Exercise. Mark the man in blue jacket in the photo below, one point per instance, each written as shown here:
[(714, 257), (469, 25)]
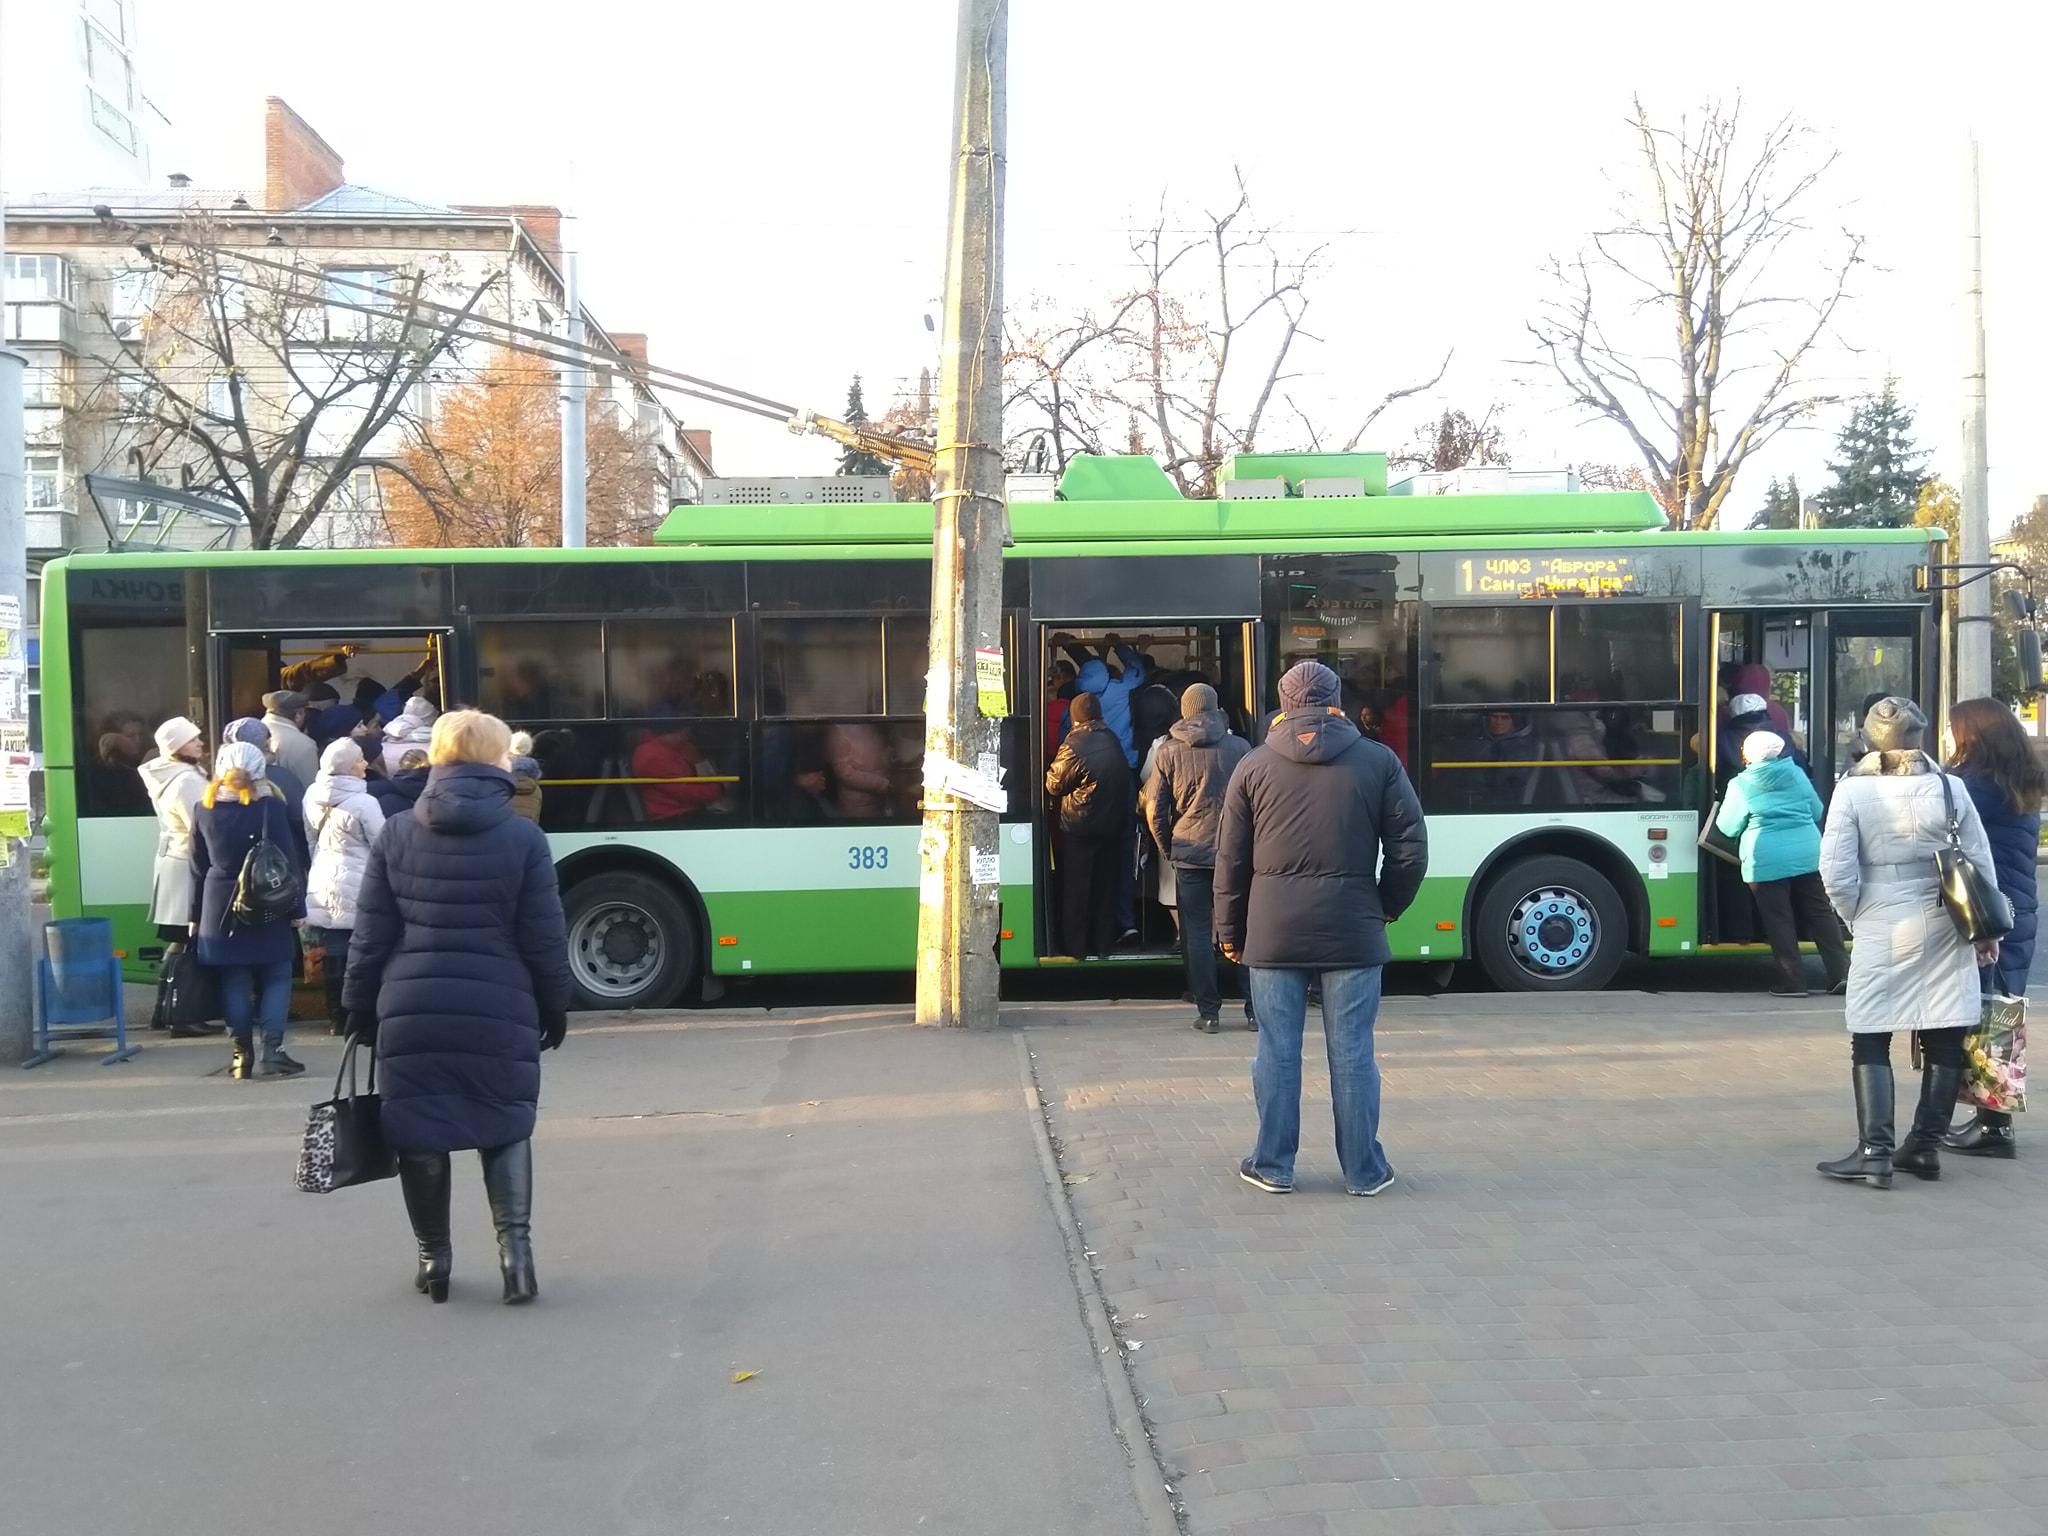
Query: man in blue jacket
[(1321, 846)]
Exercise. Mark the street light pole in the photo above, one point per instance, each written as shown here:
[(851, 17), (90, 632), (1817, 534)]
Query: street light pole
[(966, 694), (575, 475), (17, 966), (1973, 602)]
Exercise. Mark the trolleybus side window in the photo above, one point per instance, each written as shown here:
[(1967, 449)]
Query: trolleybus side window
[(541, 671)]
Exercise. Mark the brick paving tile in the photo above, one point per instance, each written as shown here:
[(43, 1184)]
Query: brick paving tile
[(1606, 1293)]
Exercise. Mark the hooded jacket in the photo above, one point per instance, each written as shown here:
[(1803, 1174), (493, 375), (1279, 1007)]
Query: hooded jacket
[(175, 788), (1321, 846), (459, 952), (1115, 693), (343, 821), (1772, 807), (400, 791), (1091, 781), (1184, 801), (526, 789), (414, 727)]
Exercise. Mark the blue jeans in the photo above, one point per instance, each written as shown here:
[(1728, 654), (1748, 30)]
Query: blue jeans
[(1195, 889), (1351, 1002), (269, 987)]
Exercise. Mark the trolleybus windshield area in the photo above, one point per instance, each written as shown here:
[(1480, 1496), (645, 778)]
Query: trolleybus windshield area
[(729, 726)]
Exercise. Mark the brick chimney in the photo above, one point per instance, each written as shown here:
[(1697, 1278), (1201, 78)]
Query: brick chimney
[(632, 345), (542, 222), (699, 439), (298, 165)]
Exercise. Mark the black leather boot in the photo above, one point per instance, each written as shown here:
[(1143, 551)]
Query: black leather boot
[(1872, 1160), (508, 1180), (1920, 1153), (242, 1058), (1988, 1133), (425, 1179)]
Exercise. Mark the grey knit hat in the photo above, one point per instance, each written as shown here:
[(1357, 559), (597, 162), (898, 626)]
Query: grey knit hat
[(1309, 685), (1196, 699), (1895, 725)]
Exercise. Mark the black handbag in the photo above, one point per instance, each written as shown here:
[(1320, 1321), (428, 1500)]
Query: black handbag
[(344, 1142), (189, 993), (1975, 904), (1713, 840)]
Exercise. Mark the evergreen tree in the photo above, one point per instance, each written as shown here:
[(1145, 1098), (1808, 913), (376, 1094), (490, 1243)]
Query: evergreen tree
[(1880, 470), (853, 461), (1781, 505)]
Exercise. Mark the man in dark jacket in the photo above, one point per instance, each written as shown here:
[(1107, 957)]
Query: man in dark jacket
[(1091, 783), (1322, 845), (1183, 805)]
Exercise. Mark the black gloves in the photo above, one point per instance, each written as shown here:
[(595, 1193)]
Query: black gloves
[(554, 1028)]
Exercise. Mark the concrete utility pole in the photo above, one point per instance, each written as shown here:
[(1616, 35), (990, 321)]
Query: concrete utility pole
[(958, 856), (16, 950), (575, 384), (1973, 602)]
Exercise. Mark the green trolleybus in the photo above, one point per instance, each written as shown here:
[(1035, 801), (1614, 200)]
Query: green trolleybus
[(729, 725)]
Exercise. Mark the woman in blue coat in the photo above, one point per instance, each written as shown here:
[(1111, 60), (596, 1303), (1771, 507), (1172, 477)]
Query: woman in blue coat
[(2006, 782), (1771, 806), (252, 963), (460, 968)]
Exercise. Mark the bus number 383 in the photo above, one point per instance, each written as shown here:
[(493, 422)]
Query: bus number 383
[(870, 856)]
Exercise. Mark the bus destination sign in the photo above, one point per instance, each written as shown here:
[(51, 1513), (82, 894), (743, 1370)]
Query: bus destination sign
[(1543, 576)]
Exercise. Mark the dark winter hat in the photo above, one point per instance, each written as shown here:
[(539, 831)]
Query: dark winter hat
[(284, 702), (1196, 699), (1084, 708), (1309, 685), (322, 693), (1895, 725)]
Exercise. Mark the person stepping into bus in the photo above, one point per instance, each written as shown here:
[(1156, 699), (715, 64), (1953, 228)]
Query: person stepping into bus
[(1772, 808), (1183, 806), (284, 716), (1321, 846), (1091, 783)]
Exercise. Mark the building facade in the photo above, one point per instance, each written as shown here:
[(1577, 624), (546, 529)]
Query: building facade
[(166, 326), (72, 110)]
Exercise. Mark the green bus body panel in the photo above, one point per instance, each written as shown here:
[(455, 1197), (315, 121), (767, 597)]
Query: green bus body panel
[(1297, 467), (1116, 477)]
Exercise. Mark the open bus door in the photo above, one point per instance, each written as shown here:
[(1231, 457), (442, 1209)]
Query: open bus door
[(247, 665)]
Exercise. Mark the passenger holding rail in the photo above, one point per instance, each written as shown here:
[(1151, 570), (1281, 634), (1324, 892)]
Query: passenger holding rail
[(1091, 784), (1771, 807)]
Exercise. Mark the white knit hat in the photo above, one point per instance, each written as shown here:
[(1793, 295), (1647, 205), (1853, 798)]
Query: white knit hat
[(1748, 704), (1761, 747), (175, 733)]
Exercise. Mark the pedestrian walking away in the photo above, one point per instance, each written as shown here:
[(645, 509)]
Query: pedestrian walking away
[(1771, 806), (343, 821), (1090, 782), (460, 973), (1909, 968), (2006, 782), (241, 830), (1183, 809), (1321, 845)]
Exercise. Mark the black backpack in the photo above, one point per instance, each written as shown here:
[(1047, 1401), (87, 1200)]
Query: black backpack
[(267, 889)]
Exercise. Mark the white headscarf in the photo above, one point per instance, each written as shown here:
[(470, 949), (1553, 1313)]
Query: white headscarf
[(415, 722), (1761, 747), (342, 759), (242, 755)]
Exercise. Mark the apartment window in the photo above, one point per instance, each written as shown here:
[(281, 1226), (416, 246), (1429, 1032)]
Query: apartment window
[(370, 287), (112, 17), (45, 481), (42, 384), (38, 279), (110, 75), (220, 396)]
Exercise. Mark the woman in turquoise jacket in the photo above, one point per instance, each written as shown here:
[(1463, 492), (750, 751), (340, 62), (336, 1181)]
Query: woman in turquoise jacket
[(1771, 806)]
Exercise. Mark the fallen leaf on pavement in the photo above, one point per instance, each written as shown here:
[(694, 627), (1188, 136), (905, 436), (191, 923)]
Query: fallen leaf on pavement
[(740, 1376)]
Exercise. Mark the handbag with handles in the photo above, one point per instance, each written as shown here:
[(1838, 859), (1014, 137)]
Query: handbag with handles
[(344, 1142), (1975, 904)]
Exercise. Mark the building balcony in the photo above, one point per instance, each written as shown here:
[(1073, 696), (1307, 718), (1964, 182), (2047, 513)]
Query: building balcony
[(51, 530), (49, 322)]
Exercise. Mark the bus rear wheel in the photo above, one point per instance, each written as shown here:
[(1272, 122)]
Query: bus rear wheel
[(1551, 925), (633, 942)]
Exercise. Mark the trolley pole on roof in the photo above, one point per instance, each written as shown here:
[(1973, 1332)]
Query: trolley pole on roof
[(1973, 602), (958, 856)]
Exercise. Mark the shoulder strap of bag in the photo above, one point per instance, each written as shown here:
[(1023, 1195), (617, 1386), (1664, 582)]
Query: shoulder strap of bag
[(1948, 798), (347, 1069)]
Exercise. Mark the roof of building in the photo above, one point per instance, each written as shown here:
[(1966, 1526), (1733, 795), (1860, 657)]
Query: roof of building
[(352, 197), (82, 200)]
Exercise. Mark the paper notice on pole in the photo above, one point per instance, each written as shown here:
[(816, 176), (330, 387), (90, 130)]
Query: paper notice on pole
[(944, 776), (988, 867), (989, 692), (14, 788)]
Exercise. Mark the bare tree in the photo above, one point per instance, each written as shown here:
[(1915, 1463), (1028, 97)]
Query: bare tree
[(1714, 250), (264, 381), (1455, 440)]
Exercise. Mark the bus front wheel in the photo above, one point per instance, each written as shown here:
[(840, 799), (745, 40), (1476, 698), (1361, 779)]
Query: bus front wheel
[(1551, 925), (632, 942)]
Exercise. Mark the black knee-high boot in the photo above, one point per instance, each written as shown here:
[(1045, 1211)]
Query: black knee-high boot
[(1872, 1160), (1920, 1153), (425, 1179), (508, 1180)]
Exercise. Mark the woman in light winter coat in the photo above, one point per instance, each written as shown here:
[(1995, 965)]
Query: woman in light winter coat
[(175, 781), (343, 820), (1772, 809), (1909, 968), (413, 727)]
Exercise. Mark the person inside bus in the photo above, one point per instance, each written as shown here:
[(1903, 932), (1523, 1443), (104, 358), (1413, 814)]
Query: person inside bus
[(1749, 713), (1508, 738), (857, 753), (668, 756), (1090, 784), (1114, 693), (117, 759), (1060, 688)]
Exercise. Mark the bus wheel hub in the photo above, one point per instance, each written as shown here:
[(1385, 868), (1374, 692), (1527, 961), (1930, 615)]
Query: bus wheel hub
[(1553, 932)]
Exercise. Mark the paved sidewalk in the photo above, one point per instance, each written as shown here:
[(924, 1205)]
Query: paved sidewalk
[(1608, 1292), (851, 1208)]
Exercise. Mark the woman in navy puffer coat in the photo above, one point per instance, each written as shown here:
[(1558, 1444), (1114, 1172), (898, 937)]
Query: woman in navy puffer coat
[(460, 966), (2006, 783)]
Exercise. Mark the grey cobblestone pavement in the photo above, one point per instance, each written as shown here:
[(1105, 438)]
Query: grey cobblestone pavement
[(1608, 1291)]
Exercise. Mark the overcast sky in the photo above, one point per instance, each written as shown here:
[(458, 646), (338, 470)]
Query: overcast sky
[(762, 187)]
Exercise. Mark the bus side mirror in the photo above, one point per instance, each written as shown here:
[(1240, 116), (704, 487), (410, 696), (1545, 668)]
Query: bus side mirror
[(2020, 605), (2029, 642)]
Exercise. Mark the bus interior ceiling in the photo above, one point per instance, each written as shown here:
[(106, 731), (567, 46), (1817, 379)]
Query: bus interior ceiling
[(1175, 653)]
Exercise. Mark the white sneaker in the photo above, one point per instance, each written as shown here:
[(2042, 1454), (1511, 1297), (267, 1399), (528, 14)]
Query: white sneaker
[(1369, 1193)]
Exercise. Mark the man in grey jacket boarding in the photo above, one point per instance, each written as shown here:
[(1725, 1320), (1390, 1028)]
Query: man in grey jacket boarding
[(1321, 846)]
